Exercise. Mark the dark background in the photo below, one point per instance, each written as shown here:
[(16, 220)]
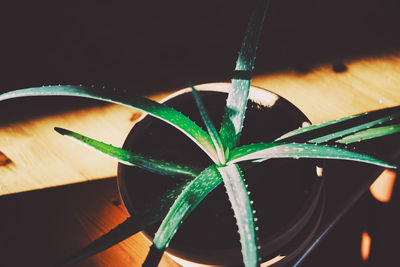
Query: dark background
[(149, 46)]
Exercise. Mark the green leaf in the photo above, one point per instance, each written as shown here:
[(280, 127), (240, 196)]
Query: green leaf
[(239, 198), (153, 212), (310, 128), (196, 191), (184, 204), (131, 159), (210, 126), (370, 134), (336, 128), (232, 121), (264, 151), (156, 210), (160, 111), (351, 130), (121, 232)]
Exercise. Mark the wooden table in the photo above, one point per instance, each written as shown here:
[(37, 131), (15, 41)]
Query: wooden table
[(41, 158), (63, 219)]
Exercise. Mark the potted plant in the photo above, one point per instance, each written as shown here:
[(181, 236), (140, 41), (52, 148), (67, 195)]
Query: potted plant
[(227, 157), (214, 241)]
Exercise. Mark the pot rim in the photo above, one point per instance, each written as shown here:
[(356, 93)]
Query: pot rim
[(263, 97)]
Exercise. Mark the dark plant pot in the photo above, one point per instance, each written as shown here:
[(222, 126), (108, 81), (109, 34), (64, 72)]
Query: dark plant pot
[(287, 193)]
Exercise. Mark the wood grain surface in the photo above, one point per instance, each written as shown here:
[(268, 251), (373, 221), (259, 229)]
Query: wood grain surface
[(41, 158), (77, 214), (38, 157)]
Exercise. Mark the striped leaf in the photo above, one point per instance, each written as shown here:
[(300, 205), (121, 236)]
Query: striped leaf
[(334, 129), (338, 134), (184, 204), (293, 134), (239, 198), (370, 134), (153, 212), (160, 111), (131, 159), (237, 98), (264, 151), (210, 126)]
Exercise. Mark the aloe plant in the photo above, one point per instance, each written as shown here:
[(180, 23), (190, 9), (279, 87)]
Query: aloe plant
[(324, 141)]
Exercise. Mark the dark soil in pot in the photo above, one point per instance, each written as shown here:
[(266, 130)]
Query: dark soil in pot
[(280, 189)]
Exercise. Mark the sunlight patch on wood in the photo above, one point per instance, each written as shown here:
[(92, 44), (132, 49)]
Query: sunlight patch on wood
[(382, 188), (365, 245)]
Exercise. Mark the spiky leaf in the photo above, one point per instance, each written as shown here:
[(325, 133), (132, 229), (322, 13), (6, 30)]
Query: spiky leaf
[(153, 212), (210, 126), (329, 130), (237, 98), (307, 129), (131, 159), (370, 134), (184, 204), (161, 111), (239, 198), (264, 151), (338, 134)]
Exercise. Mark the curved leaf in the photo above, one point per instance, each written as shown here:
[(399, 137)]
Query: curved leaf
[(329, 130), (160, 111), (131, 159), (152, 213), (354, 129), (184, 204), (239, 198), (210, 126), (264, 151), (370, 134), (237, 98), (313, 127)]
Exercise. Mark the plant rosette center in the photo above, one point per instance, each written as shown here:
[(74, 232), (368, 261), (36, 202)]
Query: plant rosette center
[(282, 190)]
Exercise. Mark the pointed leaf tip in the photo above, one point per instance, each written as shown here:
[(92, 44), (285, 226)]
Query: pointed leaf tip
[(61, 131), (131, 159), (233, 117)]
